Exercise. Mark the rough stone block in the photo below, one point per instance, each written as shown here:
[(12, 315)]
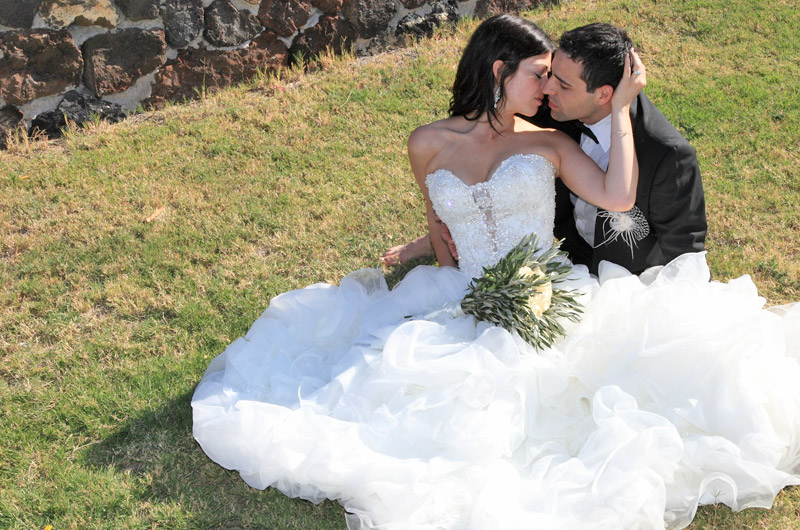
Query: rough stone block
[(370, 17), (10, 121), (18, 13), (114, 61), (412, 4), (183, 21), (330, 7), (194, 70), (37, 63), (78, 109), (63, 13), (329, 32), (228, 26), (414, 25), (139, 9), (284, 17)]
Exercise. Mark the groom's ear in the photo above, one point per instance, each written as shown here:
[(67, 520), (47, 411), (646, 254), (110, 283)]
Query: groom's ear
[(602, 94)]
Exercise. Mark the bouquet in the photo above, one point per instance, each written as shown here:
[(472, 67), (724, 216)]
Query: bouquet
[(520, 293)]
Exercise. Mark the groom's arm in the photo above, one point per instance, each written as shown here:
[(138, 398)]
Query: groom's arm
[(677, 205)]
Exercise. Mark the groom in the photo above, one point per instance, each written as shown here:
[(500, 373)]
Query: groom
[(669, 216)]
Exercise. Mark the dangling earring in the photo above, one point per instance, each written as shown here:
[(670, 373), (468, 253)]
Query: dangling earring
[(496, 96)]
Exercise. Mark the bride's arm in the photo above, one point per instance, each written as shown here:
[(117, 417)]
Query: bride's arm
[(616, 189), (422, 147)]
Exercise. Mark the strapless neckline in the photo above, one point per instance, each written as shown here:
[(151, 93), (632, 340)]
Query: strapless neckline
[(503, 163), (488, 218)]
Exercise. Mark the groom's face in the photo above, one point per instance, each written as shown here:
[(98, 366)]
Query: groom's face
[(567, 94)]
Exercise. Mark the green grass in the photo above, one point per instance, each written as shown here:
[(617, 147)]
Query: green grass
[(107, 321)]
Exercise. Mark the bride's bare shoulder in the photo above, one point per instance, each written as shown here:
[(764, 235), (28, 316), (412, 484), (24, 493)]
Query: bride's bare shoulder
[(437, 135), (432, 145), (441, 130)]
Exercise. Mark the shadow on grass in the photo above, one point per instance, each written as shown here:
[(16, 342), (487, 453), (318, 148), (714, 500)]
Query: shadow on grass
[(168, 481), (173, 484)]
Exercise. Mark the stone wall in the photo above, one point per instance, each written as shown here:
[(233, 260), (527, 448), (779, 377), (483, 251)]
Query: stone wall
[(107, 57)]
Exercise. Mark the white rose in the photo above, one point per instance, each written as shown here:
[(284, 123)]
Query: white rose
[(540, 302), (527, 272)]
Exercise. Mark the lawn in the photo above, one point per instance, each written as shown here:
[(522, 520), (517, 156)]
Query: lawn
[(131, 255)]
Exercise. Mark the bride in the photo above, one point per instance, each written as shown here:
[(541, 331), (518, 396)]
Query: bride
[(671, 392)]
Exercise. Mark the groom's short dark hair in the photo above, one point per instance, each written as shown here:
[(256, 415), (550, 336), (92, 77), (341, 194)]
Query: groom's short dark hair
[(600, 49)]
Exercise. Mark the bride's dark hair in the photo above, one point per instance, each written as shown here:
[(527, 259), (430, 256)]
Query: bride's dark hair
[(505, 37)]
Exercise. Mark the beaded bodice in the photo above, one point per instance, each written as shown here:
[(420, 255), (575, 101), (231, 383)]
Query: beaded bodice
[(487, 219)]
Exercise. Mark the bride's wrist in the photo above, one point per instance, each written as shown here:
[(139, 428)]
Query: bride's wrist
[(621, 108)]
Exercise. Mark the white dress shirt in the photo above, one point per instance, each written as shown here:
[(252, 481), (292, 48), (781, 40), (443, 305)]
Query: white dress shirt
[(586, 213)]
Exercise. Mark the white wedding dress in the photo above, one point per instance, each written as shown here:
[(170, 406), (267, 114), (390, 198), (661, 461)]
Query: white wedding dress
[(671, 392)]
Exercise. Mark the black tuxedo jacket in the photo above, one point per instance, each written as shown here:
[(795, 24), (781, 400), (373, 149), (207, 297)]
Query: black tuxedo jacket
[(669, 194)]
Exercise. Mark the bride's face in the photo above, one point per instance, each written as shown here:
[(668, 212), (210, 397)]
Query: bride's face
[(523, 91)]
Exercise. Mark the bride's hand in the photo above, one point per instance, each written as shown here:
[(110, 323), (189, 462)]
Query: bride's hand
[(633, 81)]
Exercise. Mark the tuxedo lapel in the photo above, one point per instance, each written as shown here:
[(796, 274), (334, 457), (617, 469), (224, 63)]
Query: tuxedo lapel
[(629, 249)]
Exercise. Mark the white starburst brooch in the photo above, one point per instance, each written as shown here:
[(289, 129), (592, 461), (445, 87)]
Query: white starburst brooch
[(630, 226)]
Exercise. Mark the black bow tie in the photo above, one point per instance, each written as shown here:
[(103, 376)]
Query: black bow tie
[(587, 131)]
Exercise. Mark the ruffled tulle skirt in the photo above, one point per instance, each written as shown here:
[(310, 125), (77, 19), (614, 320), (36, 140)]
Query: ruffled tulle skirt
[(671, 392)]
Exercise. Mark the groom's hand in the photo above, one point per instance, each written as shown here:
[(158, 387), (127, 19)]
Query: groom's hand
[(448, 238), (634, 79)]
